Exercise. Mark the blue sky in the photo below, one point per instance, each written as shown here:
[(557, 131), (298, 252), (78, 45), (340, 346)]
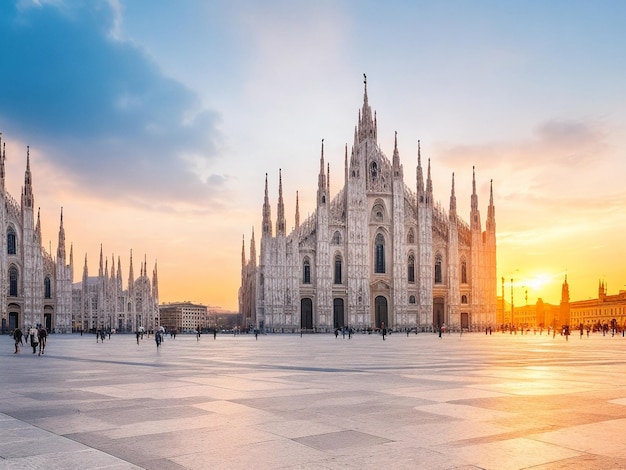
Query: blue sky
[(153, 123)]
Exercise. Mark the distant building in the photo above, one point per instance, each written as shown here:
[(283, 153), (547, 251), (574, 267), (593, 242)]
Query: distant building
[(378, 252), (183, 316), (609, 310), (38, 289), (102, 302), (604, 311)]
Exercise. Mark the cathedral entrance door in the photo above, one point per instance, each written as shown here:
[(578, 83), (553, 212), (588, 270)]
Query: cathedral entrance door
[(465, 321), (47, 318), (306, 314), (338, 317), (438, 315), (380, 312), (13, 321)]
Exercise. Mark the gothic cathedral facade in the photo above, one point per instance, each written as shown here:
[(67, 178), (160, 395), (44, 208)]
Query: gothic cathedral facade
[(37, 288), (376, 254)]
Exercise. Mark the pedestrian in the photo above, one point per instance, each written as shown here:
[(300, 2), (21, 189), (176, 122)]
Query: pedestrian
[(157, 338), (198, 333), (214, 333), (33, 336), (384, 330), (43, 336), (102, 335), (17, 336), (137, 334)]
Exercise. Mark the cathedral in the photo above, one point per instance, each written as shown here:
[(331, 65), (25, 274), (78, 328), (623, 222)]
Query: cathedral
[(37, 288), (378, 254)]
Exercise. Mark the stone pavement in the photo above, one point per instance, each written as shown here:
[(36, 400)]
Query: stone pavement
[(315, 402)]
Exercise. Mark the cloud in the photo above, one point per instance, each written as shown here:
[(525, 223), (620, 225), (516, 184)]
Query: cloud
[(101, 107)]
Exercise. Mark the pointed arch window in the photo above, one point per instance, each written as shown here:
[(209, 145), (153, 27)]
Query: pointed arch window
[(13, 278), (411, 269), (11, 241), (463, 272), (47, 288), (306, 271), (411, 299), (464, 299), (379, 254), (373, 170), (410, 238), (336, 238), (337, 269), (438, 273)]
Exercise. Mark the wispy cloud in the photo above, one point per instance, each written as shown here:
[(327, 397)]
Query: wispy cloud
[(125, 127)]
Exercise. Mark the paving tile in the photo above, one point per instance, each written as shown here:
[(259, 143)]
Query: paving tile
[(285, 402)]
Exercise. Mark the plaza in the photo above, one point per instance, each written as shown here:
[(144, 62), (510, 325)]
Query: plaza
[(496, 401)]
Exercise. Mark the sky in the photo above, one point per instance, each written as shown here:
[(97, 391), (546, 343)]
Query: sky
[(152, 125)]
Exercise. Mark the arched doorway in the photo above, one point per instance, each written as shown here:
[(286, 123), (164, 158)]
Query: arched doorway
[(465, 320), (306, 314), (338, 317), (438, 313), (380, 312)]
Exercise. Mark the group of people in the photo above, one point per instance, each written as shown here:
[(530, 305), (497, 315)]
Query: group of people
[(36, 336)]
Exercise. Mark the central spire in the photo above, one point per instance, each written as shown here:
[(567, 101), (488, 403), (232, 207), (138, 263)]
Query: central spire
[(367, 124)]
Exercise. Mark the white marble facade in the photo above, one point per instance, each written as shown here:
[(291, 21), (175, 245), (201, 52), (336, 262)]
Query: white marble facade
[(37, 288), (377, 252)]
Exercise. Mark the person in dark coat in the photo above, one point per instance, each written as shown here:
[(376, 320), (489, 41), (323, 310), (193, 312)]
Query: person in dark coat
[(43, 336), (17, 336)]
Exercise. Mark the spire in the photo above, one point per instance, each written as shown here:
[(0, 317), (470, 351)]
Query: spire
[(491, 210), (452, 199), (85, 273), (475, 214), (429, 185), (100, 270), (131, 275), (267, 212), (155, 283), (345, 166), (61, 245), (280, 217), (565, 292), (243, 251), (297, 211), (38, 225), (252, 249), (420, 174), (328, 177), (112, 278), (119, 273), (474, 195), (27, 196), (397, 168), (367, 125), (321, 181)]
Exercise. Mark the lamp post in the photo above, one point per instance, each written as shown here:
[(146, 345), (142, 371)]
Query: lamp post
[(512, 306)]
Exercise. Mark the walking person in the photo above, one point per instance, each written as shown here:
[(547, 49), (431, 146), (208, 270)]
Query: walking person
[(17, 336), (33, 336), (384, 330), (43, 336)]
